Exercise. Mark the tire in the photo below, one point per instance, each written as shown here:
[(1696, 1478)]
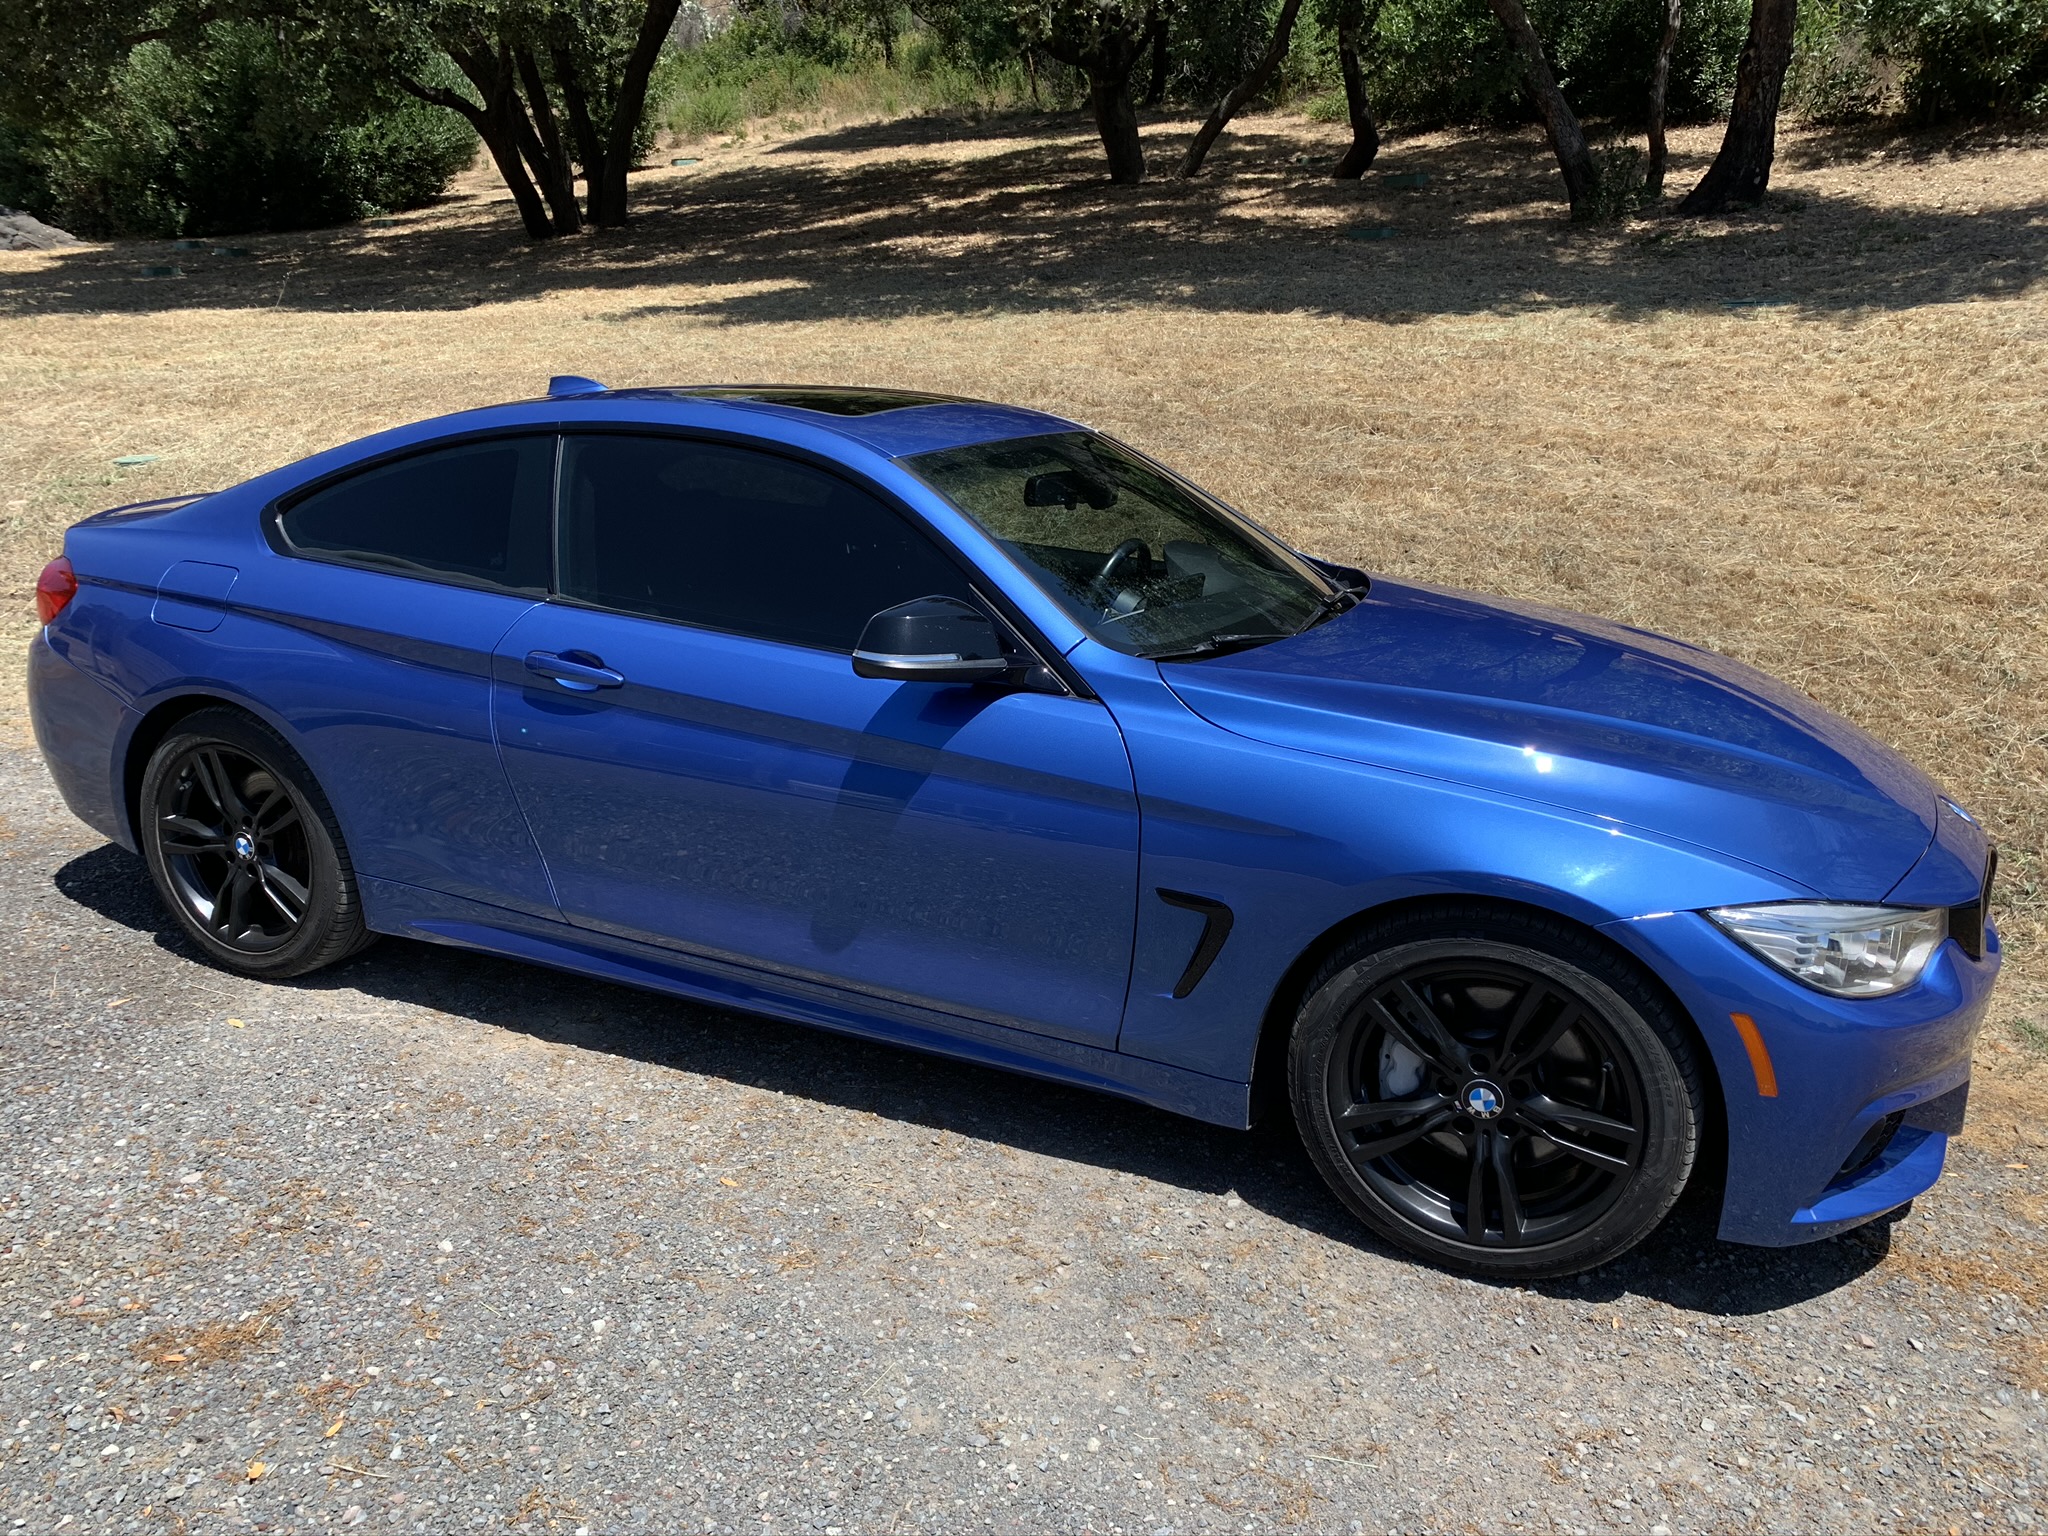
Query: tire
[(1496, 1091), (244, 849)]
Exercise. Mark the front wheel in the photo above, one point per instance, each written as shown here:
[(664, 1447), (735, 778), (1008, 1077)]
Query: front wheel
[(1496, 1091), (244, 848)]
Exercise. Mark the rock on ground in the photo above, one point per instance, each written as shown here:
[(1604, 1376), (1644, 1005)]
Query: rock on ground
[(25, 232)]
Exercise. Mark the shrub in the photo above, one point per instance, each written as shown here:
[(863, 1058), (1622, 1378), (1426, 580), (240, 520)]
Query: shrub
[(1834, 77), (1966, 58), (240, 135), (1442, 61), (24, 172), (765, 64)]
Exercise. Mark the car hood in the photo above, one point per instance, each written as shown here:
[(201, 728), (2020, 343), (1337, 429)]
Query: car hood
[(1587, 715)]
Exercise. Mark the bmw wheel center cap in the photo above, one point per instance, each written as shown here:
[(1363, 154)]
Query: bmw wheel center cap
[(1482, 1100), (245, 846)]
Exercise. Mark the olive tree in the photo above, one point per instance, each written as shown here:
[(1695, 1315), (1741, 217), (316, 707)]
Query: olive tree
[(1104, 40)]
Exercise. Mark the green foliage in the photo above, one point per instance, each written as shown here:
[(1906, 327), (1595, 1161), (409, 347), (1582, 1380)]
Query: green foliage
[(1620, 183), (24, 168), (237, 134), (1328, 107), (1446, 61), (1429, 61), (1214, 43), (761, 66), (1965, 58), (1834, 77)]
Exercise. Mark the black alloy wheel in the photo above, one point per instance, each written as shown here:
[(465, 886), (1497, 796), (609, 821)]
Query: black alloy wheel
[(234, 843), (1491, 1102), (244, 849)]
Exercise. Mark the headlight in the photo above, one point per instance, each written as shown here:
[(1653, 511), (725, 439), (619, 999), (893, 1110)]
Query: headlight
[(1840, 947)]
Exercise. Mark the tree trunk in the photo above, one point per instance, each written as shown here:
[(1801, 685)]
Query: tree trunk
[(1031, 74), (1574, 159), (1741, 172), (495, 126), (1109, 97), (882, 16), (1352, 32), (1660, 86), (542, 143), (1108, 60), (608, 190), (589, 148), (1155, 86), (1243, 91)]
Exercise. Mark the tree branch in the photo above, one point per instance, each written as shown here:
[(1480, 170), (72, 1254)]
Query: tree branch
[(441, 96)]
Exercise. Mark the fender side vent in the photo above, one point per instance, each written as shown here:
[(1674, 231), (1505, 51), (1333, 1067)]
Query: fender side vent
[(1216, 925)]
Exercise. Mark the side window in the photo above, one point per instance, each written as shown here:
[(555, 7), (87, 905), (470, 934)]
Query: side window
[(737, 540), (478, 512)]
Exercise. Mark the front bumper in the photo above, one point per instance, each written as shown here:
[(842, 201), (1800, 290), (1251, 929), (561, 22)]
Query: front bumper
[(1825, 1153)]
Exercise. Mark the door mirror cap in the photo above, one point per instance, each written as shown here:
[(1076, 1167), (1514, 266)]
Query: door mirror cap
[(931, 640)]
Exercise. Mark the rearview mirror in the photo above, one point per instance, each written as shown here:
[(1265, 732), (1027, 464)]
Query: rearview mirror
[(931, 640), (1067, 488)]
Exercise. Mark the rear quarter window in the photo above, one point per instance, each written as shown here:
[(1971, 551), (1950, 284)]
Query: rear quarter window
[(477, 513)]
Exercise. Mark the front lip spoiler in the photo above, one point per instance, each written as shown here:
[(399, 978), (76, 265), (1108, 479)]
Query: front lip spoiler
[(1908, 1166)]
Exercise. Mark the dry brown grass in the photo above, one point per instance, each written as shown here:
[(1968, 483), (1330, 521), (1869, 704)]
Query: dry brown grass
[(1846, 483), (209, 1343)]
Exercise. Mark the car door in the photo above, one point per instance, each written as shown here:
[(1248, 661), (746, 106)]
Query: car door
[(374, 640), (703, 770)]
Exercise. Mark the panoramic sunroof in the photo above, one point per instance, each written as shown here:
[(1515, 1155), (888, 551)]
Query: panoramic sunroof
[(824, 398)]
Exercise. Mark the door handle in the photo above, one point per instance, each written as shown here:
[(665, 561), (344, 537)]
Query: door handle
[(578, 671)]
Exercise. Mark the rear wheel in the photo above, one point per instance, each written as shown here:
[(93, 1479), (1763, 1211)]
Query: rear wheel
[(244, 848), (1495, 1090)]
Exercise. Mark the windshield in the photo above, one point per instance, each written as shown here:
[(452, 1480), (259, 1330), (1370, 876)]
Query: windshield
[(1143, 562)]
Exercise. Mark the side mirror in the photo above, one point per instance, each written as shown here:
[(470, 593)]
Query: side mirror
[(931, 640)]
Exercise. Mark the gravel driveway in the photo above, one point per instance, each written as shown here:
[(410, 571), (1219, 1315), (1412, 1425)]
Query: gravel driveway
[(435, 1242)]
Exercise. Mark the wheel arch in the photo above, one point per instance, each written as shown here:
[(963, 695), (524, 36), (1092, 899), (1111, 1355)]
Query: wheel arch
[(157, 723), (1269, 1061)]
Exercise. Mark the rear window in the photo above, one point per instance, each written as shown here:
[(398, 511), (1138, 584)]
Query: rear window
[(478, 513)]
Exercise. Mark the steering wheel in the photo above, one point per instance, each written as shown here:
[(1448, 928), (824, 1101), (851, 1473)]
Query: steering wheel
[(1124, 551)]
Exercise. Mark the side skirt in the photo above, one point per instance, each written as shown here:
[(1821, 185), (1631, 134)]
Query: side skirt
[(412, 912)]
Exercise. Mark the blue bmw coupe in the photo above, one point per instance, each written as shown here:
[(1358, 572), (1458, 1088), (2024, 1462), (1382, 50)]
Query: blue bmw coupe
[(964, 727)]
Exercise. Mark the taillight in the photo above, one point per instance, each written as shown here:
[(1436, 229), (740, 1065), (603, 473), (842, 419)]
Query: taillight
[(54, 588)]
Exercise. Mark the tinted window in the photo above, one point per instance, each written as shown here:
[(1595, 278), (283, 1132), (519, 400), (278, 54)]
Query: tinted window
[(737, 540), (478, 512), (1146, 563)]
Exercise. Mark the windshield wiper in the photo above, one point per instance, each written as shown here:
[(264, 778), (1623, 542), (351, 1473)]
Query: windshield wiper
[(1215, 645), (1343, 600)]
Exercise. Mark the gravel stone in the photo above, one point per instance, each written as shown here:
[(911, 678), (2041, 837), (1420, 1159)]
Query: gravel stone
[(436, 1242)]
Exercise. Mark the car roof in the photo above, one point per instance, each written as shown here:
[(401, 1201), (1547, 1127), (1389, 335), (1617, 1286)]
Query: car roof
[(894, 422)]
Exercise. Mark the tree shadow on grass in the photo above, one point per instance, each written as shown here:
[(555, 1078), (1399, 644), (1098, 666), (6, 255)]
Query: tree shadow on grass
[(942, 128), (1030, 227), (1683, 1265)]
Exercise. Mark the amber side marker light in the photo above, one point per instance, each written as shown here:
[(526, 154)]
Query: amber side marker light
[(54, 588), (1759, 1056)]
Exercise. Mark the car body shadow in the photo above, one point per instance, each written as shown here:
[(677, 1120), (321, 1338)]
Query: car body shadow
[(1683, 1265)]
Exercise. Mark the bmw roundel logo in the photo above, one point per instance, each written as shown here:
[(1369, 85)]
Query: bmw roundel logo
[(1482, 1101), (245, 846)]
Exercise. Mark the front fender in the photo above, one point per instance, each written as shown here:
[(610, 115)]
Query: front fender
[(1297, 844)]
